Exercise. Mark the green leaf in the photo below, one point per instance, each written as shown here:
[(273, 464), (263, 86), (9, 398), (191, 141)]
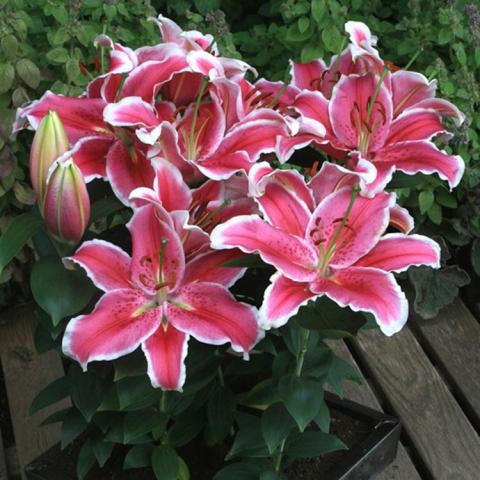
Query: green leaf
[(7, 75), (339, 371), (17, 235), (140, 422), (312, 444), (165, 463), (435, 214), (332, 38), (323, 418), (60, 14), (138, 456), (240, 471), (460, 53), (58, 416), (425, 200), (85, 460), (319, 8), (57, 55), (329, 319), (131, 365), (310, 52), (302, 397), (52, 393), (73, 425), (9, 44), (220, 412), (87, 390), (303, 24), (28, 72), (135, 393), (446, 199), (185, 429), (60, 292), (104, 207), (205, 6), (250, 261), (435, 289), (102, 450), (475, 255), (402, 180), (276, 424), (271, 475), (249, 440), (110, 11), (295, 35)]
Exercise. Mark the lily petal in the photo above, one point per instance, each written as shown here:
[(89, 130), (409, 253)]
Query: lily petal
[(115, 328), (367, 220), (415, 124), (350, 100), (283, 298), (130, 111), (291, 255), (155, 246), (107, 265), (209, 267), (210, 313), (80, 116), (90, 156), (128, 169), (397, 252), (409, 88), (307, 76), (369, 290), (424, 157), (165, 351)]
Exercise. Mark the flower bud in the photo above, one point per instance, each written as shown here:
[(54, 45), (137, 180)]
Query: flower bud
[(67, 206), (49, 143)]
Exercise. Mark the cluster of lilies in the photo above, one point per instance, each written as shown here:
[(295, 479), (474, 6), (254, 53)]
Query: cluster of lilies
[(199, 152)]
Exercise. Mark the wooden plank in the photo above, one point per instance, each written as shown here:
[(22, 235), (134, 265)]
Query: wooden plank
[(25, 375), (453, 337), (402, 467), (440, 432), (3, 463)]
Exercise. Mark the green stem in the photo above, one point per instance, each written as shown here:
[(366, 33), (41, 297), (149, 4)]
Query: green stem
[(163, 401), (203, 86), (375, 94), (278, 461), (304, 336), (331, 246), (221, 379), (415, 56)]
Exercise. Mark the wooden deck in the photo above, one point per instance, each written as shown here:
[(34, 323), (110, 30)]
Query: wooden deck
[(428, 375)]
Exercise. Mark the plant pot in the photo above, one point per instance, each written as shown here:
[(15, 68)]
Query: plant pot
[(372, 437)]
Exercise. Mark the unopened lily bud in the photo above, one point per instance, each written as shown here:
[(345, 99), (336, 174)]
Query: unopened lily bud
[(49, 143), (67, 205)]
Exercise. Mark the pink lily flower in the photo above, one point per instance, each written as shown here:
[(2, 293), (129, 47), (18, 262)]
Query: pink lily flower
[(358, 57), (357, 126), (202, 139), (156, 300), (212, 203), (337, 249)]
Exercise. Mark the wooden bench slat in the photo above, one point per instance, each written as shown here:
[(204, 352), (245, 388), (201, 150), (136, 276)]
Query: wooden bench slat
[(25, 375), (438, 428), (402, 468), (454, 338)]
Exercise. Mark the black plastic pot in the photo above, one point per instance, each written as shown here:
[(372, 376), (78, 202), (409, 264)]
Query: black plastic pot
[(365, 459), (372, 454)]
